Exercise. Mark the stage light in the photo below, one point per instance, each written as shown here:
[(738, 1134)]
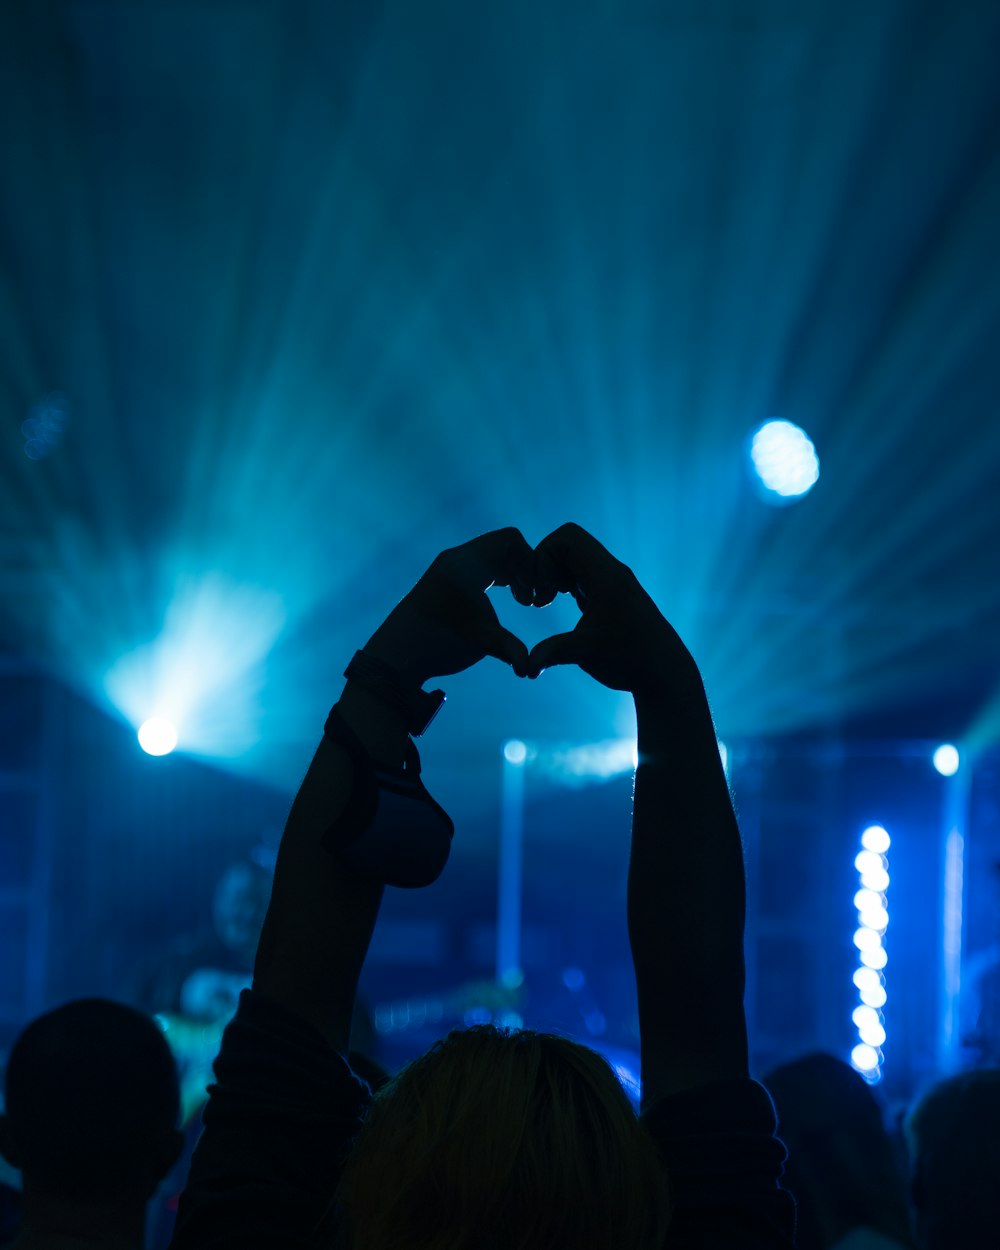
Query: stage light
[(873, 997), (784, 460), (866, 979), (157, 736), (866, 940), (875, 839), (873, 918), (864, 1058), (876, 918), (515, 751), (595, 761), (872, 1034), (947, 759), (867, 900), (875, 878)]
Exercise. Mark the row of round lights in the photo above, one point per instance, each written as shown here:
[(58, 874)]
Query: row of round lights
[(869, 938)]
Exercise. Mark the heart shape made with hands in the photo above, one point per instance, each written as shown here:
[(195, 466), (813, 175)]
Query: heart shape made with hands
[(448, 623)]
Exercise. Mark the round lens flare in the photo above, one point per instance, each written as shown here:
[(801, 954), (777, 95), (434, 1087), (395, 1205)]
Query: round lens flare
[(157, 736), (784, 459)]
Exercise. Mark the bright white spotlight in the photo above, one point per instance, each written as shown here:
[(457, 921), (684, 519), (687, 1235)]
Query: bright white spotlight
[(876, 918), (864, 1058), (875, 878), (867, 940), (515, 751), (864, 1016), (872, 1034), (784, 460), (868, 861), (876, 839), (867, 979), (875, 958), (157, 736), (874, 997), (867, 900), (947, 759)]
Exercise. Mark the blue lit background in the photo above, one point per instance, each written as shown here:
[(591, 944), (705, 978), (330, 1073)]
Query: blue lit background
[(295, 295)]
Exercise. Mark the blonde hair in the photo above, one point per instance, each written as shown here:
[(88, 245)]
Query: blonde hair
[(504, 1140)]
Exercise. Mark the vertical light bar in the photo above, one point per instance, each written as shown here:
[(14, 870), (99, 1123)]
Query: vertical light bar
[(870, 900), (508, 969), (955, 813)]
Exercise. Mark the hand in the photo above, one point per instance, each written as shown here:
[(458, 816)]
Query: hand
[(446, 623), (622, 640)]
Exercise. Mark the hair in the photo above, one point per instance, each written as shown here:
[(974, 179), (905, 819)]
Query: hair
[(504, 1140), (92, 1102), (953, 1134), (842, 1165)]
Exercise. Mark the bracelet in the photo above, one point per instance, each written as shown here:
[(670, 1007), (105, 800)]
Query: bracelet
[(416, 707)]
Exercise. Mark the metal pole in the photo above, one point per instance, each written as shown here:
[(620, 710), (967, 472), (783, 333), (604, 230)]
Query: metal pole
[(508, 969), (955, 813)]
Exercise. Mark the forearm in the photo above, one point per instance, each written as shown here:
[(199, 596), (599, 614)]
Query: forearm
[(686, 898), (321, 916)]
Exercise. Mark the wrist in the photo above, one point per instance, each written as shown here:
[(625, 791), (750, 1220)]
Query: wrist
[(379, 727), (396, 689)]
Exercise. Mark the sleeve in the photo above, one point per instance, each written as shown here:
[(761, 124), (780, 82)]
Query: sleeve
[(280, 1121), (724, 1166)]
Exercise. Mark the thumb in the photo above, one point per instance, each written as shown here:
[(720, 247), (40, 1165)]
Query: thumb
[(503, 645), (559, 649)]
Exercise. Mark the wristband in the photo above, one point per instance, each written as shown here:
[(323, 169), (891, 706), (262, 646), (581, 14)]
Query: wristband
[(391, 830), (416, 707)]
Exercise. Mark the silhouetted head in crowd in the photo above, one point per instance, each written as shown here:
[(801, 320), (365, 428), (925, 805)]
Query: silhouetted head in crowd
[(842, 1166), (91, 1116), (239, 905), (953, 1134), (495, 1140)]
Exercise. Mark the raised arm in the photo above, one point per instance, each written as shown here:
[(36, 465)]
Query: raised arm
[(323, 909), (285, 1107), (686, 891)]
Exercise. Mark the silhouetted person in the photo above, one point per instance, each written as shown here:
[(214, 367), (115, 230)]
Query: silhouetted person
[(91, 1115), (496, 1139), (842, 1168), (953, 1134)]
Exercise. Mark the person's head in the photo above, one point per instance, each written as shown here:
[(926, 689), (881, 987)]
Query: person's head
[(91, 1104), (842, 1166), (953, 1135), (497, 1139), (239, 905)]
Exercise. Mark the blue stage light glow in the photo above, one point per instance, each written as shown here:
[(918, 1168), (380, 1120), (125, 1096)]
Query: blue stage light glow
[(573, 978), (203, 670), (947, 759), (873, 920), (157, 736), (515, 751), (784, 460)]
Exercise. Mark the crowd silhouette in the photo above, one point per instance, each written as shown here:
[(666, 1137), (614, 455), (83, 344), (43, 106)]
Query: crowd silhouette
[(495, 1139)]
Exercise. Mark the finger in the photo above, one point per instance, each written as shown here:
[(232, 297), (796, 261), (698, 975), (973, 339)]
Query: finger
[(558, 649), (503, 645), (571, 560), (500, 558)]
